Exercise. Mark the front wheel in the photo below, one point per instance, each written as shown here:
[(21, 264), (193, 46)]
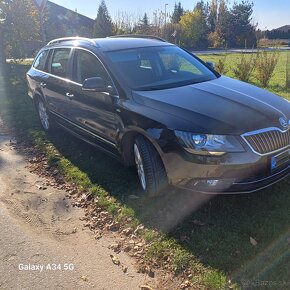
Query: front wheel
[(151, 171)]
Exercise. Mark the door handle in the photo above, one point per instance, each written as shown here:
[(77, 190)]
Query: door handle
[(43, 84), (69, 95)]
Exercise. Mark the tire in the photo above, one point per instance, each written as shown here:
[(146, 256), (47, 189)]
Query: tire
[(150, 168), (43, 114)]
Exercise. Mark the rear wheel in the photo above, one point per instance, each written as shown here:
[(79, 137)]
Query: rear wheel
[(151, 171), (43, 114)]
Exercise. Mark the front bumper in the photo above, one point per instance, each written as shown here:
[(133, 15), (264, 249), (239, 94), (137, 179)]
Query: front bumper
[(232, 173)]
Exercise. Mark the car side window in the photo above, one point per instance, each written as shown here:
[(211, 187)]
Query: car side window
[(59, 63), (87, 65), (40, 60)]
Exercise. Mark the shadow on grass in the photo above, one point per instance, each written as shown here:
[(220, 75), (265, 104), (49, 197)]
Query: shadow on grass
[(216, 230)]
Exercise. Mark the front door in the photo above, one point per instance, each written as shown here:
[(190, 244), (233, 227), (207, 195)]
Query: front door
[(92, 112)]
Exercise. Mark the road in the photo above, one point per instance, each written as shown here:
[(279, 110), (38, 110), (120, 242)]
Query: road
[(43, 243)]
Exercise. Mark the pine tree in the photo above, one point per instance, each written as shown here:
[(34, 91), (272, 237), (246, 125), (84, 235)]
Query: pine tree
[(143, 26), (178, 12), (145, 20), (103, 24), (242, 31)]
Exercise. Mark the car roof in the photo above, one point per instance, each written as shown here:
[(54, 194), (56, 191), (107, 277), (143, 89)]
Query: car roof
[(109, 44)]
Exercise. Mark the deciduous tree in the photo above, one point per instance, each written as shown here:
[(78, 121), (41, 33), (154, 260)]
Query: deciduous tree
[(194, 27), (19, 23)]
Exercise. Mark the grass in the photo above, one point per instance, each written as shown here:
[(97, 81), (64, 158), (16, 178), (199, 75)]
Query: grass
[(210, 235), (278, 81)]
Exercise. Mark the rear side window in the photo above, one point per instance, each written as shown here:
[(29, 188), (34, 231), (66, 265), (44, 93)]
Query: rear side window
[(40, 60), (59, 63)]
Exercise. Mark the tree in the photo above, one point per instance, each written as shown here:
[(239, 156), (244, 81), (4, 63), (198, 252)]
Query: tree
[(103, 24), (125, 22), (194, 27), (178, 12), (242, 31), (213, 15), (19, 23), (223, 25), (145, 20), (143, 27)]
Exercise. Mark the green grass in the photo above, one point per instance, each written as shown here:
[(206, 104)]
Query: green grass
[(278, 81), (217, 251)]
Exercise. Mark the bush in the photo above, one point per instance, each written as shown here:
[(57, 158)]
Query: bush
[(265, 66), (221, 65), (244, 67)]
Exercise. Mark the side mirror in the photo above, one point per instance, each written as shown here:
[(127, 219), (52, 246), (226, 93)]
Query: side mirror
[(95, 84), (210, 64)]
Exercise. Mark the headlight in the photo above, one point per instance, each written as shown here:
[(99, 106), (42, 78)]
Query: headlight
[(206, 144)]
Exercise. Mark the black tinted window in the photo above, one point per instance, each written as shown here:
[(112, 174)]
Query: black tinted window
[(40, 60), (86, 65), (59, 63)]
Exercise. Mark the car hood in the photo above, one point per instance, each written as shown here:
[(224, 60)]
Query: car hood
[(220, 106)]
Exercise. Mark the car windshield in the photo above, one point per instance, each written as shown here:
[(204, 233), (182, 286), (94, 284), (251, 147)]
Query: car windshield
[(161, 67)]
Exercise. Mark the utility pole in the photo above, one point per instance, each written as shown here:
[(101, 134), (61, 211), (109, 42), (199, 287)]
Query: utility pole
[(165, 14)]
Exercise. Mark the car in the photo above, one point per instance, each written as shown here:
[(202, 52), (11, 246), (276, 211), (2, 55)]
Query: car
[(156, 106)]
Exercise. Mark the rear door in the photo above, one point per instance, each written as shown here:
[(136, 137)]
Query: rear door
[(92, 112), (57, 82)]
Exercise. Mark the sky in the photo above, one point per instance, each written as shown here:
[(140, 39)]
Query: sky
[(269, 14)]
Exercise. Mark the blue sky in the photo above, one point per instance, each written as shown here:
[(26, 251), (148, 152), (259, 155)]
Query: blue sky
[(268, 13)]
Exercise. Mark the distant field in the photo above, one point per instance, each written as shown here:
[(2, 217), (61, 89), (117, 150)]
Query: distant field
[(278, 81)]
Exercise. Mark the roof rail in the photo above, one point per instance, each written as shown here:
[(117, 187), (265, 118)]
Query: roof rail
[(138, 36), (59, 40)]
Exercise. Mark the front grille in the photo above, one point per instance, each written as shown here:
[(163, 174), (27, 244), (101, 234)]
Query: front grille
[(282, 161), (268, 141)]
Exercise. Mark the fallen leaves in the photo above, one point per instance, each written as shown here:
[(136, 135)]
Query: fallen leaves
[(84, 278), (146, 287), (115, 260), (185, 284), (253, 242), (127, 231)]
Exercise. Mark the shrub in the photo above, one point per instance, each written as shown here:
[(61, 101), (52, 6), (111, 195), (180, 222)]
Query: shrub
[(265, 66), (244, 67), (221, 65)]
